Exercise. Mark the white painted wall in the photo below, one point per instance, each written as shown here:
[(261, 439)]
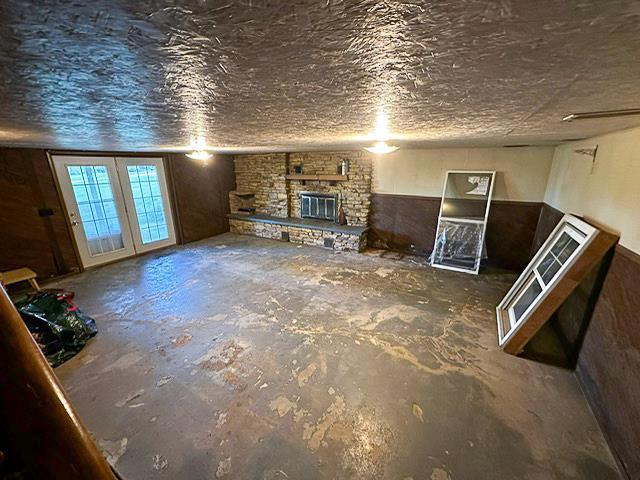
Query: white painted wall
[(607, 191), (522, 172)]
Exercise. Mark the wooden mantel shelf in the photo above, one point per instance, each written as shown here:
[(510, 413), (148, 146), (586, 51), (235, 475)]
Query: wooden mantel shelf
[(321, 177)]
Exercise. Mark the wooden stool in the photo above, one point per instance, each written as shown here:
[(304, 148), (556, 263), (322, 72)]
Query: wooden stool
[(20, 275)]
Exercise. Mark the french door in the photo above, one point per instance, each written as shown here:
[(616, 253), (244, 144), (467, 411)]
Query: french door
[(117, 206)]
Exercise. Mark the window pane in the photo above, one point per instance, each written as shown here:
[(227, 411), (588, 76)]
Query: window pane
[(148, 204), (551, 272), (133, 173), (80, 192), (157, 204), (110, 210), (545, 263), (155, 189), (75, 175), (86, 214), (103, 228), (105, 191), (114, 225), (146, 189), (561, 243), (527, 298), (147, 198), (90, 230), (136, 190), (568, 250), (146, 236), (101, 174), (94, 196), (98, 210), (143, 222), (139, 203)]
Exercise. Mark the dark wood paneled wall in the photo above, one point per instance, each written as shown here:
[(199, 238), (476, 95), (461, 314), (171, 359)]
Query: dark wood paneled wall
[(27, 239), (547, 221), (201, 195), (511, 230), (408, 224), (609, 361), (404, 223)]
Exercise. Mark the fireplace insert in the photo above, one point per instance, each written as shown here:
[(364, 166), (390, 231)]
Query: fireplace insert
[(322, 206)]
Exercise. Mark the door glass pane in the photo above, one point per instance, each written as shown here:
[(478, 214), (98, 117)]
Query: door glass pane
[(145, 186), (96, 208), (526, 299)]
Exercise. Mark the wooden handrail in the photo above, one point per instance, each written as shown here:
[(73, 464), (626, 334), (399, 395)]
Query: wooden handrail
[(39, 418)]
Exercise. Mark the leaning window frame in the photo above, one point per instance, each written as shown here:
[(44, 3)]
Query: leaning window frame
[(568, 224), (483, 222)]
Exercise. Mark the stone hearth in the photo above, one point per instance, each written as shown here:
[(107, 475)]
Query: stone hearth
[(309, 232)]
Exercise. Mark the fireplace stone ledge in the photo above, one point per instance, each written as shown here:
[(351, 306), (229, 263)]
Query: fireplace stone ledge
[(301, 230)]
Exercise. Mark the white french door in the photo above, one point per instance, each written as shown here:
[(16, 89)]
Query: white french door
[(117, 206), (147, 200)]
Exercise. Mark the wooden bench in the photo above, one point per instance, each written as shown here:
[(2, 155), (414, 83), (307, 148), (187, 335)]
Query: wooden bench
[(20, 275)]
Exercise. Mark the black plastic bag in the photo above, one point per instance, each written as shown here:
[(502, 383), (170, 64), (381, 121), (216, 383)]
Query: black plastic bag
[(59, 328)]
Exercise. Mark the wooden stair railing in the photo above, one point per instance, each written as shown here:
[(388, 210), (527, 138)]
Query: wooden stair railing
[(36, 413)]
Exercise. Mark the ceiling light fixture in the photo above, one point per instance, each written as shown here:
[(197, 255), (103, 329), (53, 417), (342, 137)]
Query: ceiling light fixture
[(381, 134), (199, 153), (602, 114), (380, 148)]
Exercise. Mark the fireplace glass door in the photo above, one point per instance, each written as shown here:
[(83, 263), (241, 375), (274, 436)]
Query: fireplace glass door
[(318, 205)]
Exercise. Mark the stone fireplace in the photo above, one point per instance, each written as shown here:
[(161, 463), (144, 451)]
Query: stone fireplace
[(295, 197)]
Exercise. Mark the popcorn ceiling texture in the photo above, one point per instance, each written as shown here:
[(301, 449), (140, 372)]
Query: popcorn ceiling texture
[(311, 75)]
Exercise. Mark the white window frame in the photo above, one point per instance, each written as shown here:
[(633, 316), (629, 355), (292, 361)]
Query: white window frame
[(482, 222), (580, 231)]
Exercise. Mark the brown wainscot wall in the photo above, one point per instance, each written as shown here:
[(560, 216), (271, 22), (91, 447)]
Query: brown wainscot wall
[(609, 362), (33, 229), (408, 224), (200, 195), (602, 316)]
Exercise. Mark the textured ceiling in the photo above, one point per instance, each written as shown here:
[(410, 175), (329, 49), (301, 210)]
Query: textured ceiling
[(303, 74)]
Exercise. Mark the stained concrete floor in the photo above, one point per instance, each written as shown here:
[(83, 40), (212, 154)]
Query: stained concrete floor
[(246, 358)]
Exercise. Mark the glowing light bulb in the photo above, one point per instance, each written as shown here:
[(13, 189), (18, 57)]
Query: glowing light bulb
[(381, 134)]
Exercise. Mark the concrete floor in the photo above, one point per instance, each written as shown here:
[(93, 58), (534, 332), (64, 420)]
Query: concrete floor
[(246, 358)]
